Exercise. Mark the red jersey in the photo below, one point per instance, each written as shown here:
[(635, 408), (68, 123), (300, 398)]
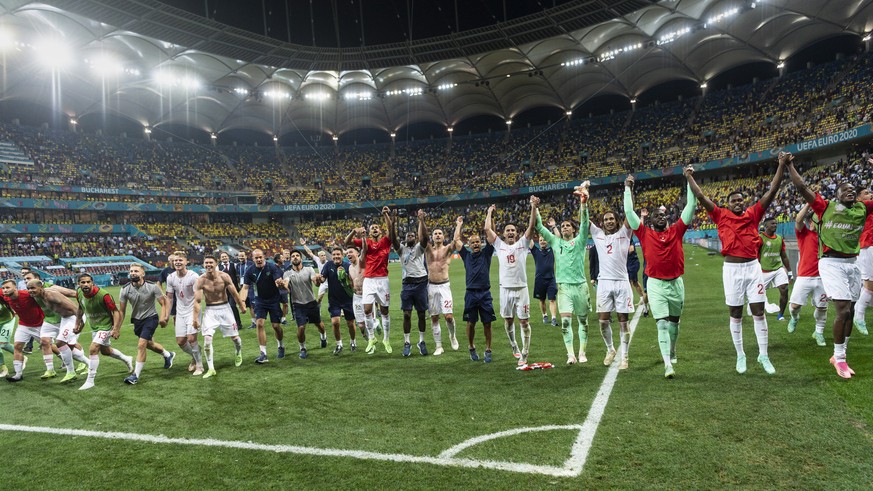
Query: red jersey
[(29, 312), (376, 260), (867, 234), (739, 233), (665, 259), (807, 243)]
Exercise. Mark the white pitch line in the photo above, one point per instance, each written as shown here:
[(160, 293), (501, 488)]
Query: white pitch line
[(293, 449), (450, 453), (579, 453)]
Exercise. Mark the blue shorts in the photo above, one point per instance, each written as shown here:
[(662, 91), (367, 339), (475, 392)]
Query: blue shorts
[(413, 296), (283, 297), (145, 328), (344, 308), (307, 314), (633, 272), (479, 306), (271, 306), (545, 289)]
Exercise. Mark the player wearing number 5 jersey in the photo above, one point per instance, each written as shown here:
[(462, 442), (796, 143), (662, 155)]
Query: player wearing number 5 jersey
[(741, 274), (105, 321), (514, 296), (573, 296)]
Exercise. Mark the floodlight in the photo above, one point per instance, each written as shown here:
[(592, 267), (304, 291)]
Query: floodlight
[(53, 53)]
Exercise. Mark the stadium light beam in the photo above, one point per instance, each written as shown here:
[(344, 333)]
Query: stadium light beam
[(53, 53)]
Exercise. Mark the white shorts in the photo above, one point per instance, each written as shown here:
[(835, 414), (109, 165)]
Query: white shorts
[(742, 281), (322, 288), (24, 334), (804, 286), (219, 317), (514, 302), (184, 324), (841, 278), (103, 338), (376, 291), (66, 334), (614, 296), (865, 263), (358, 307), (775, 279), (439, 299), (49, 330)]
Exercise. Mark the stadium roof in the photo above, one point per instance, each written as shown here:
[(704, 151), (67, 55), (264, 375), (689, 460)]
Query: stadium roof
[(157, 64)]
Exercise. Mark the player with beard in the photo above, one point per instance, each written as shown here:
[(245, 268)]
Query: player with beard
[(439, 292), (105, 321), (142, 295), (298, 281), (336, 274), (414, 290), (808, 283), (60, 314)]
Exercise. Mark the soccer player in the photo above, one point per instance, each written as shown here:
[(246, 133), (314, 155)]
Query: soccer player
[(478, 304), (213, 286), (439, 291), (105, 321), (741, 273), (58, 325), (320, 260), (841, 223), (545, 288), (356, 271), (612, 243), (266, 280), (774, 263), (142, 295), (573, 296), (298, 281), (414, 292), (665, 265), (336, 274), (376, 287), (865, 265), (70, 339), (512, 253), (30, 318), (180, 290), (808, 281), (7, 325)]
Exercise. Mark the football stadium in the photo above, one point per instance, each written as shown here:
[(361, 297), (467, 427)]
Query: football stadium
[(480, 244)]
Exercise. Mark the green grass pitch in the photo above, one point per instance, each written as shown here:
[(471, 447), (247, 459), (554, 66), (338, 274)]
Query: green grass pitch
[(803, 428)]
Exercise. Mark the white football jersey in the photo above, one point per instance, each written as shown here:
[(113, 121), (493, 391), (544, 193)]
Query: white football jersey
[(183, 289), (612, 252), (512, 260)]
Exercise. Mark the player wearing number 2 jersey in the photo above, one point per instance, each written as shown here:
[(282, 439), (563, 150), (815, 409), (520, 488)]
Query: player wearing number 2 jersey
[(573, 296), (514, 296)]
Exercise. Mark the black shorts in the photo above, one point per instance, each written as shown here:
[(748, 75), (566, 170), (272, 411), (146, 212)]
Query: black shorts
[(345, 309), (263, 308), (478, 305), (545, 289), (308, 314), (413, 296), (145, 328), (633, 272)]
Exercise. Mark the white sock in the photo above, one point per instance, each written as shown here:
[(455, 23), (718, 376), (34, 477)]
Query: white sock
[(406, 337), (207, 346), (821, 317), (79, 355), (138, 369), (237, 343), (67, 357), (17, 366), (49, 362), (736, 326), (625, 338), (606, 332), (864, 300), (195, 352), (840, 352), (386, 327), (281, 342), (187, 348), (525, 332), (420, 336), (761, 333), (370, 323), (510, 333), (302, 345), (118, 355), (340, 343), (794, 312), (165, 354), (437, 332), (92, 367), (263, 348), (450, 324)]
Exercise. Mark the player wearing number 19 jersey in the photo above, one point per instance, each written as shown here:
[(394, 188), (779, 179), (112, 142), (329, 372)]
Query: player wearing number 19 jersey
[(808, 281), (573, 296)]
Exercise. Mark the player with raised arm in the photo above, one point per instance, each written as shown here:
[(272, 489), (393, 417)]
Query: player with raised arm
[(665, 265), (356, 271), (512, 253), (775, 267), (266, 280), (214, 286), (142, 295), (105, 321), (841, 222), (298, 281), (612, 244), (439, 292), (545, 288), (573, 296), (478, 304), (376, 288), (741, 272), (808, 281), (336, 274), (413, 294), (865, 265), (180, 289), (320, 260)]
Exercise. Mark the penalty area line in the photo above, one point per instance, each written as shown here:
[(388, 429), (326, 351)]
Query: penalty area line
[(300, 450)]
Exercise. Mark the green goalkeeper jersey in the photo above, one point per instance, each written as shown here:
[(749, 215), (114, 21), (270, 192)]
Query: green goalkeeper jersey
[(569, 254)]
